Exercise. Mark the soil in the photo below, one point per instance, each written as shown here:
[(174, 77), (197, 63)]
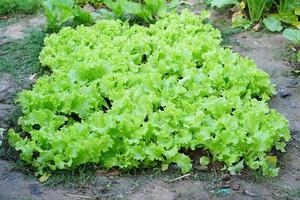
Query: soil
[(267, 50), (18, 30), (7, 88)]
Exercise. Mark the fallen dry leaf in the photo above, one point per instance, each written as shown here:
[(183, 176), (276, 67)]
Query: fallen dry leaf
[(256, 27)]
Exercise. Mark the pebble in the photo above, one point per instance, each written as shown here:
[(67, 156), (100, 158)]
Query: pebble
[(35, 189), (284, 92), (292, 83)]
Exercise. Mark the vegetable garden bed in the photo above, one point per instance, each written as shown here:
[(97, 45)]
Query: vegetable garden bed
[(132, 96)]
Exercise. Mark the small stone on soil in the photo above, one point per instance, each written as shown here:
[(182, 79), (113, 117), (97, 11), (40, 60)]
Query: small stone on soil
[(293, 82), (249, 193), (284, 92), (35, 189)]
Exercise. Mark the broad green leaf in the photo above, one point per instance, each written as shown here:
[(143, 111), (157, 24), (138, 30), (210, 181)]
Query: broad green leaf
[(236, 168), (104, 13), (240, 21), (223, 3), (133, 8), (183, 161), (272, 24), (292, 34), (288, 18)]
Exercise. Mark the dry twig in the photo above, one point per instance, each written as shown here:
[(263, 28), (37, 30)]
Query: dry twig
[(178, 178), (79, 196)]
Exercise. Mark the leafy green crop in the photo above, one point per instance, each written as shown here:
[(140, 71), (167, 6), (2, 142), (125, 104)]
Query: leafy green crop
[(58, 12), (148, 10), (132, 97)]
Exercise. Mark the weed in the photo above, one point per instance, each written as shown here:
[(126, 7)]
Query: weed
[(258, 177), (256, 8), (290, 56), (20, 57), (80, 177), (297, 193)]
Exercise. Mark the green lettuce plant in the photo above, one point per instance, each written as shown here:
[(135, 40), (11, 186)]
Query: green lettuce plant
[(134, 97)]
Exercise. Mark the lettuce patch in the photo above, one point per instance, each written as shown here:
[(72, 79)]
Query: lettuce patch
[(132, 97)]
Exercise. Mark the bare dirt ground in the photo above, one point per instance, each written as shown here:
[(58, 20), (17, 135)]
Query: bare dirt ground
[(17, 30), (268, 52)]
